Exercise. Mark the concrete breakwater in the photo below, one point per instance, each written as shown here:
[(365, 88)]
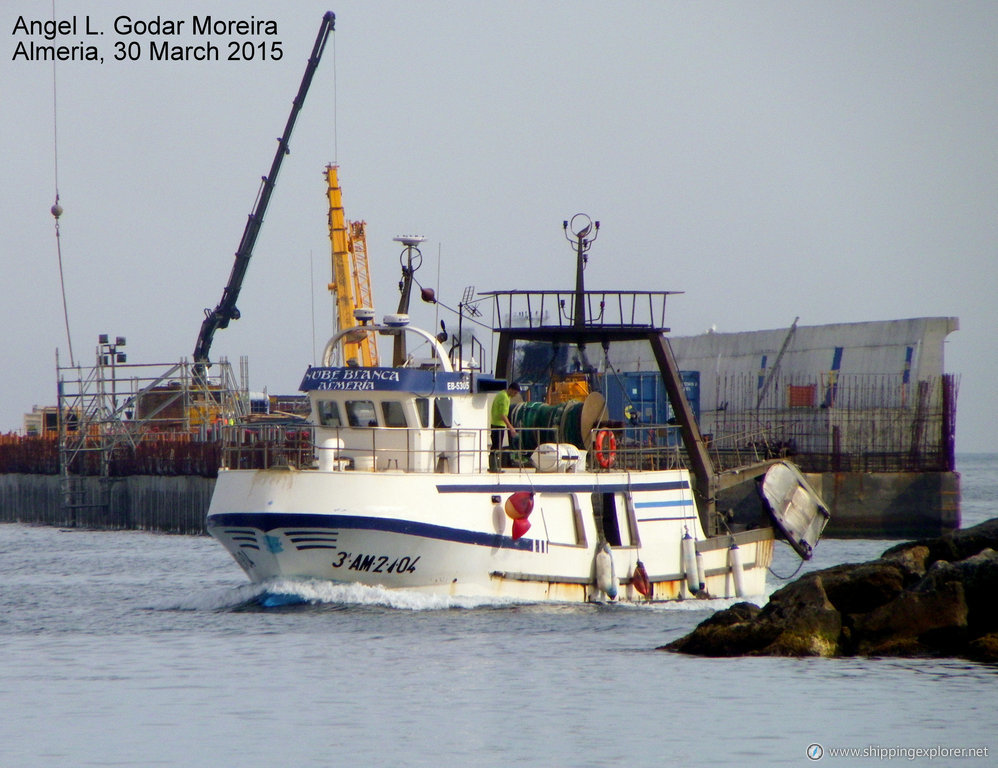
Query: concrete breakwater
[(892, 505), (872, 505), (170, 504)]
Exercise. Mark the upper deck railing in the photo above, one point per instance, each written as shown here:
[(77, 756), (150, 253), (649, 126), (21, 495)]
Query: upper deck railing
[(537, 311), (449, 450)]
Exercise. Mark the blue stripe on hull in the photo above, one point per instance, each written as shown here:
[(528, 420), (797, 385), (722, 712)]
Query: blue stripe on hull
[(674, 485), (676, 503), (269, 521)]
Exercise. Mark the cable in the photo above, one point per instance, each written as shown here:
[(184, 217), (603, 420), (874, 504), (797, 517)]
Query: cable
[(311, 292), (56, 208), (55, 122), (451, 309), (56, 212), (336, 154), (787, 578)]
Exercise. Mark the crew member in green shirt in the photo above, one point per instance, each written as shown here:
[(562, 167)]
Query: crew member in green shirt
[(499, 423)]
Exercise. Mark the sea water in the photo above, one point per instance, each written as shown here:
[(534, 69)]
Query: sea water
[(136, 649)]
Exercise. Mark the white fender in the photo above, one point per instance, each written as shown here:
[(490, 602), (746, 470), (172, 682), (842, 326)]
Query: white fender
[(735, 561), (690, 564), (606, 576)]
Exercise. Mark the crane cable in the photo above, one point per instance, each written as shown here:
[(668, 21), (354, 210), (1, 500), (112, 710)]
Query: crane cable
[(56, 208), (336, 157)]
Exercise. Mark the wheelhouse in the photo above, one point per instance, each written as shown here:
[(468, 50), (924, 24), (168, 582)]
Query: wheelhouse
[(407, 420)]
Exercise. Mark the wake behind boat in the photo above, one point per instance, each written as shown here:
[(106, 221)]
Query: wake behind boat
[(393, 481)]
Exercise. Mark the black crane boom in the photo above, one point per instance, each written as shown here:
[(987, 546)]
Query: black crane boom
[(226, 310)]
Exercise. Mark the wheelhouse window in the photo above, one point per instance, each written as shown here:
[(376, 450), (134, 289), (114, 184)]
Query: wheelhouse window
[(361, 413), (329, 413), (423, 409), (443, 412), (393, 413)]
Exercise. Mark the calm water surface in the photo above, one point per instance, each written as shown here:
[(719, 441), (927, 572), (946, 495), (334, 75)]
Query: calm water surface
[(138, 649)]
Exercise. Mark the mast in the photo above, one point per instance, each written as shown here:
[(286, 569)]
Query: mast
[(411, 259), (582, 226), (616, 316)]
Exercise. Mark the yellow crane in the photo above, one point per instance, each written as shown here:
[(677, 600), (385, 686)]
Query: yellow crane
[(351, 274)]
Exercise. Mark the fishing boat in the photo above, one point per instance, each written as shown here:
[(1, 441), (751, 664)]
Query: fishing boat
[(393, 482)]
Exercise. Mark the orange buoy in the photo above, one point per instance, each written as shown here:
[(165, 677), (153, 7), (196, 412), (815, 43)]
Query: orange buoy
[(520, 526), (519, 505), (640, 580), (606, 448)]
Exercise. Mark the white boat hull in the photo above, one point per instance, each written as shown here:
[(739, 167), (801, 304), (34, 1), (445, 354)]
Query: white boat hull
[(449, 534)]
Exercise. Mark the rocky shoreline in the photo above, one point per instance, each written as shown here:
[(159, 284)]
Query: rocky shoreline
[(933, 597)]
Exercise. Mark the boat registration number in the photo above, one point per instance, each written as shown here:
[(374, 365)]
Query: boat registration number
[(376, 563)]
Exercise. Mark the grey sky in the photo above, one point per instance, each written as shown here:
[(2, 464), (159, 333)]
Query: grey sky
[(834, 160)]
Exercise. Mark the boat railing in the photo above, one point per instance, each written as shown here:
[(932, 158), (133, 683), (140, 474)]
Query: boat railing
[(738, 449), (456, 450), (265, 446), (602, 309), (644, 447)]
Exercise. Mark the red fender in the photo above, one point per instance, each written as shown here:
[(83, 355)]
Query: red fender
[(640, 580), (520, 527), (519, 505)]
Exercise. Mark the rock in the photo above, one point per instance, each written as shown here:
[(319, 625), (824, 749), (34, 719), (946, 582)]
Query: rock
[(803, 619), (914, 623), (798, 621), (984, 648), (736, 614), (863, 587), (979, 576), (933, 597), (912, 558), (953, 546), (731, 632)]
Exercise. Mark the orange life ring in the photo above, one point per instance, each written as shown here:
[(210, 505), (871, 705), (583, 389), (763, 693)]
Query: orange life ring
[(606, 448)]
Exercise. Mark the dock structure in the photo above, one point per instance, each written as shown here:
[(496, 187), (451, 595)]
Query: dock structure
[(115, 422), (856, 396), (866, 409), (161, 503)]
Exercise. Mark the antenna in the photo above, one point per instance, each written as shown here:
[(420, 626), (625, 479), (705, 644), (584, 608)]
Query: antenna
[(409, 241), (466, 302)]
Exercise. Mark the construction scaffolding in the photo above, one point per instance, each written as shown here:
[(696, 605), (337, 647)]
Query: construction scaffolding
[(839, 423), (119, 418)]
